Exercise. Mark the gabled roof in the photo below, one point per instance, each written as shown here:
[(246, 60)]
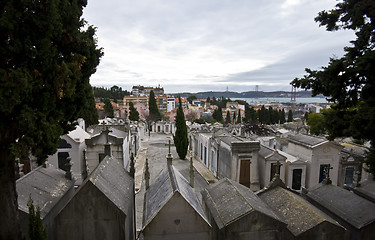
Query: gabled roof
[(45, 186), (299, 214), (345, 204), (229, 201), (114, 182), (78, 135), (270, 154), (307, 140), (169, 182), (366, 189)]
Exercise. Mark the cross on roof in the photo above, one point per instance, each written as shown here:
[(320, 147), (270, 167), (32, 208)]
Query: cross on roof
[(169, 145), (326, 170), (106, 131)]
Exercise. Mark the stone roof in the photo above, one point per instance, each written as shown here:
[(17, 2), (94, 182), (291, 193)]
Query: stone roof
[(366, 189), (270, 154), (345, 204), (45, 186), (169, 182), (114, 182), (355, 149), (307, 140), (299, 214), (229, 201)]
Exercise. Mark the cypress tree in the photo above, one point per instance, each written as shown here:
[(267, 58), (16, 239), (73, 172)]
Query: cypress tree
[(48, 53), (153, 108), (228, 119), (133, 113), (180, 138), (239, 118), (108, 108), (36, 228)]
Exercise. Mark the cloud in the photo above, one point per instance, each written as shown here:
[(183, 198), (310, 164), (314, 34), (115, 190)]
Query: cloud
[(210, 44)]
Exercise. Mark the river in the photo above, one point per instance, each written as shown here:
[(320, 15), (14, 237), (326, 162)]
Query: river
[(253, 101)]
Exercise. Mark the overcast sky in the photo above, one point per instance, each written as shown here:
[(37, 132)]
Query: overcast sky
[(204, 45)]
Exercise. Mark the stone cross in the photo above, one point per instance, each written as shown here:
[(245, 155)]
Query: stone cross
[(326, 170), (106, 131)]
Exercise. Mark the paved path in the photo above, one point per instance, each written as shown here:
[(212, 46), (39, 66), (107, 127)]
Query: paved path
[(155, 149)]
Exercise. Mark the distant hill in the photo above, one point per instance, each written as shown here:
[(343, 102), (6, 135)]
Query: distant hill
[(249, 94)]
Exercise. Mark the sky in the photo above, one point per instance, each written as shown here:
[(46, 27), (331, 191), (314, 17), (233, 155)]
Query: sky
[(211, 45)]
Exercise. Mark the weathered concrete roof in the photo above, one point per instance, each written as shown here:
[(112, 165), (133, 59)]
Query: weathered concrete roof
[(299, 214), (307, 140), (355, 149), (45, 186), (229, 201), (161, 191), (114, 182), (270, 154), (366, 189), (350, 207)]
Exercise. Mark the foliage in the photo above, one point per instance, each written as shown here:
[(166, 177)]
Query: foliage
[(154, 114), (108, 108), (200, 121), (228, 118), (36, 229), (191, 98), (48, 54), (349, 81), (316, 123), (239, 118), (221, 102), (218, 115), (290, 116), (180, 138), (115, 93), (133, 113), (282, 116), (257, 129)]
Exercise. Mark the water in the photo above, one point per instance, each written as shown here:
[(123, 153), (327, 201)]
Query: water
[(253, 101)]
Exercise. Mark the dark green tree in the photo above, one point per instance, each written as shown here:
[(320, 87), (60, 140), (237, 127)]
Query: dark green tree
[(290, 116), (154, 114), (234, 117), (36, 229), (180, 138), (349, 81), (253, 116), (282, 116), (47, 58), (239, 118), (228, 118), (133, 113), (218, 115), (108, 108)]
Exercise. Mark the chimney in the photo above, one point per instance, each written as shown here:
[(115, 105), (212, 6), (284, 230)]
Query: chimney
[(191, 172)]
